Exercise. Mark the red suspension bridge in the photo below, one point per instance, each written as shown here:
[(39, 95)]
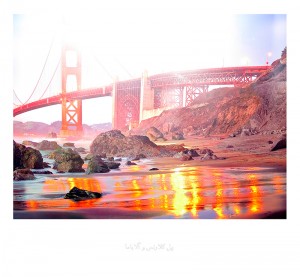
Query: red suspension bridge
[(134, 99)]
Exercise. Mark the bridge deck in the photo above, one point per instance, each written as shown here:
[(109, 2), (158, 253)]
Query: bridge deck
[(211, 76)]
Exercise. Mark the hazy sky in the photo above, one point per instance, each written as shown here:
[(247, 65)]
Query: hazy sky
[(124, 42)]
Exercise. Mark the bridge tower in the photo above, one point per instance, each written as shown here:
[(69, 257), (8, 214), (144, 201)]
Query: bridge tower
[(71, 81)]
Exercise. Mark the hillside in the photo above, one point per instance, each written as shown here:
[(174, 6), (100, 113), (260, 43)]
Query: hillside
[(259, 108), (34, 128)]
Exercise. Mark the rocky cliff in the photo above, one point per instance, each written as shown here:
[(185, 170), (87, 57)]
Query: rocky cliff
[(258, 108)]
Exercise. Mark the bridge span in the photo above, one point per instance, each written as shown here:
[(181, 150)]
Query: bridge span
[(134, 100)]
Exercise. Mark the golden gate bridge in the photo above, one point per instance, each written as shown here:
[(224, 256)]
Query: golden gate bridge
[(133, 98)]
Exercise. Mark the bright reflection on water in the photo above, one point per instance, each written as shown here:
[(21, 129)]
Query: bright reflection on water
[(193, 192)]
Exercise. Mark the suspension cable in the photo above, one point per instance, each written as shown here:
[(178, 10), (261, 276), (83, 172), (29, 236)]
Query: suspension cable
[(41, 71), (103, 67), (123, 67), (17, 98), (51, 78)]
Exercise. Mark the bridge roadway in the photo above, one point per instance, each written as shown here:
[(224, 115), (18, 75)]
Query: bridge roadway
[(212, 76)]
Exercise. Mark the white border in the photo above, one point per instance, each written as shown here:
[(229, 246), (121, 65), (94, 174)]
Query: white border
[(97, 247)]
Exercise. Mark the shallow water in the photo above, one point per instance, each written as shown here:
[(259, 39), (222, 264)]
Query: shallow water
[(136, 192)]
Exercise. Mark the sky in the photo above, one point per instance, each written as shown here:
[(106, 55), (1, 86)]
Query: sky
[(124, 42)]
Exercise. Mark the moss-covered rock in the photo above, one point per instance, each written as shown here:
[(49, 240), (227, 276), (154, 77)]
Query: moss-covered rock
[(67, 160), (97, 165)]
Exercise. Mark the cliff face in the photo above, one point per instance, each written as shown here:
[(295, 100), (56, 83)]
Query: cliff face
[(260, 107)]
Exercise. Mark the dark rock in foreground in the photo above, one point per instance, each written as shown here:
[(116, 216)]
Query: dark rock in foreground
[(77, 194), (153, 168), (67, 160), (23, 174)]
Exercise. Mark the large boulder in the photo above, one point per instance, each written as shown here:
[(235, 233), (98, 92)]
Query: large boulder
[(97, 165), (26, 157), (67, 160), (77, 194), (48, 145), (32, 158), (155, 135), (114, 143), (23, 174)]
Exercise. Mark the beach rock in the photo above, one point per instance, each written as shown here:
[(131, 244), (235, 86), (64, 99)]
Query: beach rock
[(77, 194), (280, 144), (153, 168), (112, 165), (68, 144), (88, 157), (209, 156), (154, 134), (270, 142), (42, 172), (130, 163), (186, 157), (23, 174), (229, 146), (47, 145), (97, 165), (27, 157), (191, 152), (205, 151), (80, 150), (67, 160), (110, 159), (138, 157), (114, 143)]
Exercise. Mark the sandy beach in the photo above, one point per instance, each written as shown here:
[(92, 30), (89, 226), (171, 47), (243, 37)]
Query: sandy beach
[(249, 183)]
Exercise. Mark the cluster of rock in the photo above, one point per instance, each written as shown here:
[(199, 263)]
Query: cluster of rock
[(29, 157), (97, 165), (101, 159), (203, 154)]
